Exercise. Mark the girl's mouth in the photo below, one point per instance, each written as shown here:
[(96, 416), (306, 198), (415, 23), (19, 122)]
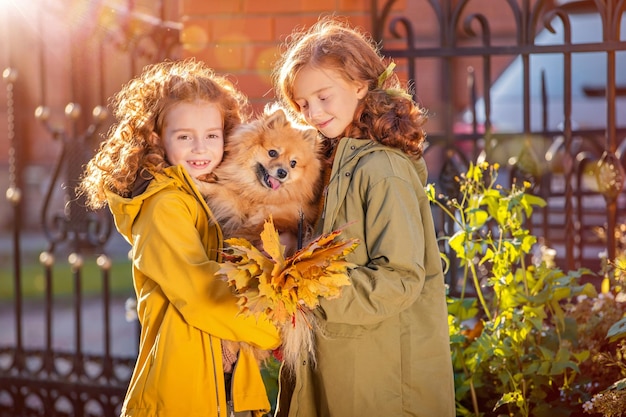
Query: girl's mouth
[(199, 164), (324, 124)]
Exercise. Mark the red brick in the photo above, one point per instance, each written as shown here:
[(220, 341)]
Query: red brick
[(285, 25), (255, 85), (263, 57), (222, 58), (195, 31), (355, 5), (208, 7), (242, 29), (362, 22), (288, 6), (228, 57)]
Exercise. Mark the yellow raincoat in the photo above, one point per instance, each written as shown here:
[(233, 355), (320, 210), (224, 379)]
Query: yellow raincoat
[(185, 312)]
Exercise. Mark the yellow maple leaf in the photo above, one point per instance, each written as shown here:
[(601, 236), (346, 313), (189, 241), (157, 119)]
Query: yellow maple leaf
[(268, 283), (271, 242)]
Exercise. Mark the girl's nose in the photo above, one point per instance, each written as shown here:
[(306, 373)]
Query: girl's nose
[(314, 111), (199, 145)]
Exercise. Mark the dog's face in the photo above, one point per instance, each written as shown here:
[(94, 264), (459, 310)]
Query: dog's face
[(281, 159)]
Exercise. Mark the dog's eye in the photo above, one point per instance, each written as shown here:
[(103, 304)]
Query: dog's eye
[(272, 153), (293, 163)]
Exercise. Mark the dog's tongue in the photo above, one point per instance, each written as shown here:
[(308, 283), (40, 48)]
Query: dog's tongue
[(273, 182)]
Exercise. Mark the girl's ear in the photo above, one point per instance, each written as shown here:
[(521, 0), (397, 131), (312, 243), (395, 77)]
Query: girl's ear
[(361, 89)]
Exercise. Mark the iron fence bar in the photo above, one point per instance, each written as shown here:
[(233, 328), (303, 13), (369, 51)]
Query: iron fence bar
[(527, 22), (13, 195), (504, 50), (48, 355)]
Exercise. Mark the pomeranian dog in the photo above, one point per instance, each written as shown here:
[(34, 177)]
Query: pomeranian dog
[(271, 166)]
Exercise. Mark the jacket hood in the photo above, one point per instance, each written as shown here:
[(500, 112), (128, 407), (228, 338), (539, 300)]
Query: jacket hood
[(125, 210)]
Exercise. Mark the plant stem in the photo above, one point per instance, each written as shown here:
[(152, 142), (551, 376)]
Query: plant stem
[(479, 292)]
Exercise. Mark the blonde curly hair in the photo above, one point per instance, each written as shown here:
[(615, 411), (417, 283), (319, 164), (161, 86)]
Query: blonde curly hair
[(130, 150)]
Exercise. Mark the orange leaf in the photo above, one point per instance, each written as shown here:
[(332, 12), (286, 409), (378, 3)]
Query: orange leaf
[(267, 283), (271, 242)]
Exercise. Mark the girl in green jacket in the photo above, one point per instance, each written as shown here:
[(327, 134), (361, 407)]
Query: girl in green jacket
[(382, 348), (171, 124)]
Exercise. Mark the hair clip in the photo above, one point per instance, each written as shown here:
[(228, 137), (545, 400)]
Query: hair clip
[(392, 91), (386, 73)]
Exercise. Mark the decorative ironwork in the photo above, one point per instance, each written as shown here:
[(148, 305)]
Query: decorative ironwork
[(48, 380), (464, 33)]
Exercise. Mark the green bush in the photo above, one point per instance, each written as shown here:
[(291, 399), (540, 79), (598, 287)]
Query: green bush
[(516, 343)]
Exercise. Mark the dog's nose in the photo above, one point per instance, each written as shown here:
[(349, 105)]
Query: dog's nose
[(281, 173)]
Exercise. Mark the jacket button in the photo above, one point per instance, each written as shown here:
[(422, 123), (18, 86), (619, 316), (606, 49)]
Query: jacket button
[(352, 147), (347, 174), (303, 363)]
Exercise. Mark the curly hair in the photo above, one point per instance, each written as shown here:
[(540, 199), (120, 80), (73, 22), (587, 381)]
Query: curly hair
[(386, 114), (130, 148)]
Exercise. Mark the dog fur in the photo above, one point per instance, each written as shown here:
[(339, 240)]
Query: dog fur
[(270, 166)]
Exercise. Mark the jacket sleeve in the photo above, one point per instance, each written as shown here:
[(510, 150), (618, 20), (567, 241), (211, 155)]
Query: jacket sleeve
[(169, 250), (387, 208)]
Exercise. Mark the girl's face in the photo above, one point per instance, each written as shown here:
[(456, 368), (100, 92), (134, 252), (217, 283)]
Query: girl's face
[(327, 101), (193, 135)]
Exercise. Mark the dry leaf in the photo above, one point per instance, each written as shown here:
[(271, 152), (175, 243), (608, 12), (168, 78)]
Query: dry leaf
[(268, 283)]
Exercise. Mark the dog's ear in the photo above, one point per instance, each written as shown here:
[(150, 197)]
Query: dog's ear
[(311, 136), (276, 119)]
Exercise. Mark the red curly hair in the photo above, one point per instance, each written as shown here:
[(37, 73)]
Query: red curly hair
[(386, 114), (130, 149)]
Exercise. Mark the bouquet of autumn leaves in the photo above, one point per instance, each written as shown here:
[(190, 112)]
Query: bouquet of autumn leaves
[(287, 289)]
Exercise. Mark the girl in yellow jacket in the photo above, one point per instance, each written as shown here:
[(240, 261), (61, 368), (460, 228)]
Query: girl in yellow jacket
[(171, 124)]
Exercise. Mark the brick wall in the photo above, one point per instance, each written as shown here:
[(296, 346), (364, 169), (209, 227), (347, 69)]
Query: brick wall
[(242, 38)]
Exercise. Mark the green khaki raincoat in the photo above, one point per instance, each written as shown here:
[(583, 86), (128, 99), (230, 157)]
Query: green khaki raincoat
[(183, 309), (383, 348)]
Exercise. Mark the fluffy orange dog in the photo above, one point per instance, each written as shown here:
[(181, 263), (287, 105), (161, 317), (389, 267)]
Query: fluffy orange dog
[(270, 166)]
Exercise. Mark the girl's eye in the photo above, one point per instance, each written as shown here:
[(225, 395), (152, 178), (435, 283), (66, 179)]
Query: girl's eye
[(183, 137), (293, 163), (272, 153), (212, 136)]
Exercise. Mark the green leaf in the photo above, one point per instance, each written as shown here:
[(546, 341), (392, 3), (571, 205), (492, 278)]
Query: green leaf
[(510, 397), (463, 309), (618, 386), (533, 200), (430, 192), (562, 362), (617, 330), (457, 243), (477, 218)]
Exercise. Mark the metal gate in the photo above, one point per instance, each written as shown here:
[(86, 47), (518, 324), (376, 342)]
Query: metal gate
[(71, 355), (578, 169)]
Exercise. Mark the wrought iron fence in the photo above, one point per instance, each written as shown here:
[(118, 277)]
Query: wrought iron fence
[(560, 161), (73, 370)]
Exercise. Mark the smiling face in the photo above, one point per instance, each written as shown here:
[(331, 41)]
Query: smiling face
[(327, 101), (193, 136)]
